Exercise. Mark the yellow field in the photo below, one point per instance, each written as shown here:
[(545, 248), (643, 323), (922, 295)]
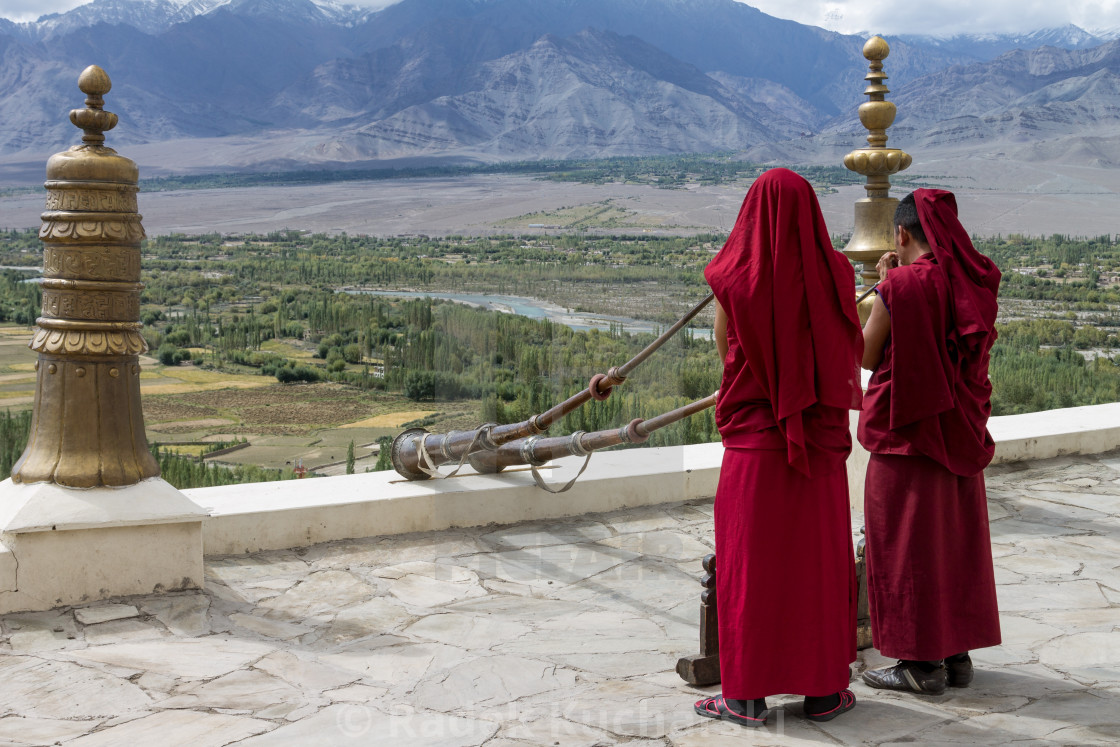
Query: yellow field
[(17, 363), (17, 387), (286, 349), (188, 401), (186, 379), (17, 367), (390, 419), (605, 214), (193, 450)]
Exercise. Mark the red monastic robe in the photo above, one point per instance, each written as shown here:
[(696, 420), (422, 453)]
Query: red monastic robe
[(785, 580), (931, 585)]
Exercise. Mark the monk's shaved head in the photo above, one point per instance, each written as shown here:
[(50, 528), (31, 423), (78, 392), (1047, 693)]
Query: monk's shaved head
[(906, 215)]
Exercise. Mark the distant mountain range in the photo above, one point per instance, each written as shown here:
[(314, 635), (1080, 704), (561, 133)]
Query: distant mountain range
[(983, 47), (1046, 104), (293, 83)]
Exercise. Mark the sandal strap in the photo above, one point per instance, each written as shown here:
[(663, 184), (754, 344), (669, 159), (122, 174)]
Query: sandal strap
[(707, 705), (725, 711), (847, 697)]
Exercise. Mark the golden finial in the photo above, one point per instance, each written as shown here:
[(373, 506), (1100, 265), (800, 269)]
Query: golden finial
[(87, 426), (874, 216), (94, 120)]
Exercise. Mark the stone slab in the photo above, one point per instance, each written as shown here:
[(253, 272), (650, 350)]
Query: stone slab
[(242, 690), (182, 614), (115, 631), (1091, 657), (104, 613), (269, 628), (42, 631), (491, 681), (627, 709), (362, 724), (321, 594), (1053, 596), (28, 731), (183, 727), (474, 632), (304, 671), (41, 688), (192, 658)]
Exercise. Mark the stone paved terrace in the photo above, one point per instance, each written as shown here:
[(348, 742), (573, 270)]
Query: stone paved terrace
[(560, 633)]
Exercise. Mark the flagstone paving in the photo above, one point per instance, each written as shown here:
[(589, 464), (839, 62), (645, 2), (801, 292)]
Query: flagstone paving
[(561, 633)]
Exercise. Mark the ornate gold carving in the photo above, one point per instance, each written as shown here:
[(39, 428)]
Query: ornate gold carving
[(112, 229), (78, 342), (96, 262), (110, 307), (91, 197)]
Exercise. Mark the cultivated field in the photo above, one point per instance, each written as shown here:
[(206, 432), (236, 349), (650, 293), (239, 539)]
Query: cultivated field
[(288, 422), (282, 422)]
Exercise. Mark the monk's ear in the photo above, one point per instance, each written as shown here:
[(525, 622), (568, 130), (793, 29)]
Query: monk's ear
[(902, 237)]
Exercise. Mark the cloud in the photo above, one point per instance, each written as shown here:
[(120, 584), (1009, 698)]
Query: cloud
[(31, 10), (944, 17), (941, 17)]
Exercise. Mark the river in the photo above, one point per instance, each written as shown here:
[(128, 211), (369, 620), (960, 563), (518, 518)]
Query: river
[(535, 308)]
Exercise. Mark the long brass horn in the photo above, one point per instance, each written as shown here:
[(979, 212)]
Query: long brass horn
[(867, 292), (537, 451), (416, 453)]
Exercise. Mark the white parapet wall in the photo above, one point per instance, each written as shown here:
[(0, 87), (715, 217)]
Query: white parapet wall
[(275, 515), (1041, 435), (293, 513)]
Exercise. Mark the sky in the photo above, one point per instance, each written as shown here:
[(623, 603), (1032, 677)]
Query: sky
[(942, 17)]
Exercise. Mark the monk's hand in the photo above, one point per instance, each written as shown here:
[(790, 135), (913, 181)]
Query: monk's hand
[(887, 262)]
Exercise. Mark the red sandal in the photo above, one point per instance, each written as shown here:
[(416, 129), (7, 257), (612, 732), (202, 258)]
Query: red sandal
[(847, 703), (717, 708)]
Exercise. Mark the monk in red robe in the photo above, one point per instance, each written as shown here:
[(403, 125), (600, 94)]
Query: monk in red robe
[(931, 586), (789, 336)]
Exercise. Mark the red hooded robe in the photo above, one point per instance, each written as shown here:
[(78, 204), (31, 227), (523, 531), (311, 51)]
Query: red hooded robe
[(931, 584), (785, 580)]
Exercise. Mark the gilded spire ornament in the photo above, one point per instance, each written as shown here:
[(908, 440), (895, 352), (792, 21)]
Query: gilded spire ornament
[(87, 428), (874, 214)]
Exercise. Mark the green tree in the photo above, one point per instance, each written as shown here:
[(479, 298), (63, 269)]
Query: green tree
[(169, 355), (384, 454), (14, 430)]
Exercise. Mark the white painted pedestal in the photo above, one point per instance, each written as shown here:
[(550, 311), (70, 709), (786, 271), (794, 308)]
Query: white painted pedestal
[(61, 546)]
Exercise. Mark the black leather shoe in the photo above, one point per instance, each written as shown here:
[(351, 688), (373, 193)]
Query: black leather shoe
[(908, 677), (959, 669)]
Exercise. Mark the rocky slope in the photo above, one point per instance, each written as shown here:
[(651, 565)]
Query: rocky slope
[(291, 82)]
